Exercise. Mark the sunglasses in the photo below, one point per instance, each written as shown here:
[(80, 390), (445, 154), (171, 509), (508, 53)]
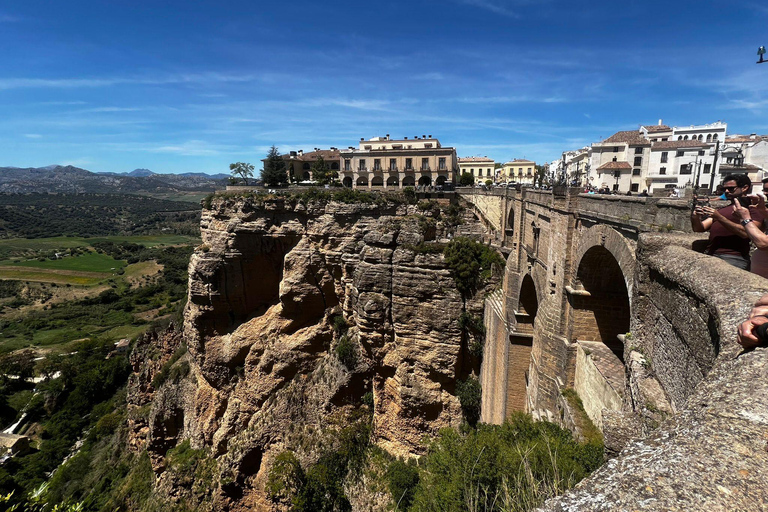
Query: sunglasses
[(730, 189)]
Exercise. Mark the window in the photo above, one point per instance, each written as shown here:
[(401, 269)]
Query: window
[(709, 137), (408, 164), (680, 152), (679, 137), (362, 164), (638, 161), (707, 168), (377, 164), (487, 172), (664, 156), (635, 172), (425, 164), (634, 187), (347, 165), (701, 153), (714, 137), (685, 138), (639, 151), (441, 163), (665, 139), (616, 149), (305, 166), (662, 170), (701, 136), (472, 172), (685, 169), (392, 164)]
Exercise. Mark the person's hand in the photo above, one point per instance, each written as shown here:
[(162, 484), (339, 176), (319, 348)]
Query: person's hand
[(740, 211), (760, 206), (746, 331), (712, 212)]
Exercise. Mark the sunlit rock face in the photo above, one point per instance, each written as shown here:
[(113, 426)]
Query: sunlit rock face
[(264, 289)]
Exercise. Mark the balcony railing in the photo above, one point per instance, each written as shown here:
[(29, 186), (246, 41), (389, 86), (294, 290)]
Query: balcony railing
[(425, 168), (362, 169), (393, 169), (410, 169)]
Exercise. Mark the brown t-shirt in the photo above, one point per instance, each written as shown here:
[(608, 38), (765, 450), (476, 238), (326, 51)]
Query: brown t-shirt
[(723, 241)]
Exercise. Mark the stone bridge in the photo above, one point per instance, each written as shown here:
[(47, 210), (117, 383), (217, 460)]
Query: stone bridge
[(607, 297)]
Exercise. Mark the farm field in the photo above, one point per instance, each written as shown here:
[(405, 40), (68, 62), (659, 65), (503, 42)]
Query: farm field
[(19, 246)]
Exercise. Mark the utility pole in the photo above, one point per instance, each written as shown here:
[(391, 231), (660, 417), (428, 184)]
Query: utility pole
[(714, 168)]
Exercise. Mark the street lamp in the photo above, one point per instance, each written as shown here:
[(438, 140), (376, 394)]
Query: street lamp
[(761, 52)]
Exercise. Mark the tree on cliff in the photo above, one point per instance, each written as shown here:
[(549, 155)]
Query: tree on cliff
[(470, 263), (274, 173), (242, 170), (322, 174)]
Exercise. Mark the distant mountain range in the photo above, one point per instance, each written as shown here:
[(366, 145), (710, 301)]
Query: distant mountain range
[(69, 179)]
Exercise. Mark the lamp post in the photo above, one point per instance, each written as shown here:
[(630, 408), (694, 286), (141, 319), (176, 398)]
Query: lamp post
[(760, 53)]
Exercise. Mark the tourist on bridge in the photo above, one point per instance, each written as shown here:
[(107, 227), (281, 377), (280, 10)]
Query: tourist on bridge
[(728, 238), (759, 264)]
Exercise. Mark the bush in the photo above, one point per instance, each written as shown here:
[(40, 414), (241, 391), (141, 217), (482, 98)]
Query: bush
[(410, 195), (466, 180), (470, 264), (511, 467), (402, 479), (159, 379), (470, 395), (286, 478), (346, 351), (340, 325)]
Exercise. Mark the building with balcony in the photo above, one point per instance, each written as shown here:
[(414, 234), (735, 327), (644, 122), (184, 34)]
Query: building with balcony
[(481, 168), (518, 170), (381, 162), (746, 153), (298, 164), (657, 156)]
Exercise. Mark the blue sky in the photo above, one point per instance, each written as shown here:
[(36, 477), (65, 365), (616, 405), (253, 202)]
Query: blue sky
[(193, 86)]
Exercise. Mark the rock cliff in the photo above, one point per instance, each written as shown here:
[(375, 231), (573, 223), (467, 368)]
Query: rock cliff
[(265, 289)]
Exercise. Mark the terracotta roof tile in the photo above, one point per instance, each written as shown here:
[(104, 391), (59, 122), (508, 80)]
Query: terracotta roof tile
[(613, 166), (657, 128), (476, 159), (632, 137)]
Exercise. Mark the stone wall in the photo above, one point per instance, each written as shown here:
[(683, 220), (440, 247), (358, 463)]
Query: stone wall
[(710, 454)]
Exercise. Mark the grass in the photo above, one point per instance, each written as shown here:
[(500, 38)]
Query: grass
[(92, 263), (21, 245), (48, 276)]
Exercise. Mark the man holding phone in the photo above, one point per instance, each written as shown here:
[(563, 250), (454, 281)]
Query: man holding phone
[(728, 239)]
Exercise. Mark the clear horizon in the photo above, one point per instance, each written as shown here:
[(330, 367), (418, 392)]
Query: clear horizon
[(180, 87)]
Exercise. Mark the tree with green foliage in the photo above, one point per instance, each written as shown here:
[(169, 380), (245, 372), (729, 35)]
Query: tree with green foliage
[(470, 264), (242, 170), (322, 174), (539, 175), (470, 394), (466, 180), (274, 173)]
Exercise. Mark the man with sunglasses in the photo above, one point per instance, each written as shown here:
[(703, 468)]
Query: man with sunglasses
[(728, 239), (759, 263)]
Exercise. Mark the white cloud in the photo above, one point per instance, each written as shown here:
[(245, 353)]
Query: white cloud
[(71, 83), (33, 136)]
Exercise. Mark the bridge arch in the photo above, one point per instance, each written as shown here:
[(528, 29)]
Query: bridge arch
[(510, 228), (602, 288)]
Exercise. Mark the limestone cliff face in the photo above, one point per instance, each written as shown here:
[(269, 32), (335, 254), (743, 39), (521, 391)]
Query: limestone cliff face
[(263, 287)]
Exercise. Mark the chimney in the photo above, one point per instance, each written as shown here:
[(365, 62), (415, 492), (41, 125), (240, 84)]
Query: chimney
[(423, 136), (660, 122), (405, 138), (387, 136), (362, 139), (430, 136), (301, 152)]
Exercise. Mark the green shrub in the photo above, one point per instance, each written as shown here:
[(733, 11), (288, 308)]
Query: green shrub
[(159, 379), (208, 201), (340, 325), (470, 264), (470, 395), (286, 478), (410, 195), (507, 468), (368, 400), (402, 479), (346, 351)]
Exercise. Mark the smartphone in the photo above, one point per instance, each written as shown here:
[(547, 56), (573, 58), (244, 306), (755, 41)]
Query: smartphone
[(745, 201)]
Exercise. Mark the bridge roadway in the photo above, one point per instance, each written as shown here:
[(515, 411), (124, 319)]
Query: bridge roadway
[(604, 295)]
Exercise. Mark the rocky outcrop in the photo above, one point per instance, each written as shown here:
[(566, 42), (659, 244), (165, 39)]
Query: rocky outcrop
[(265, 287)]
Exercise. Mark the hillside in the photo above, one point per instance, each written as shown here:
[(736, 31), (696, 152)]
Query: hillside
[(69, 179)]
